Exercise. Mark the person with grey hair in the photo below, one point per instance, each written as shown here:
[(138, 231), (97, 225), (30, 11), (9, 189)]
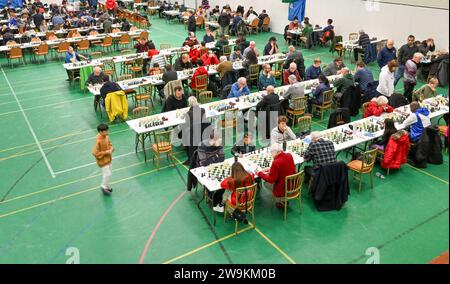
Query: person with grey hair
[(282, 166), (297, 57), (295, 90), (292, 70), (319, 152), (239, 88), (334, 68), (410, 75), (363, 42), (96, 77)]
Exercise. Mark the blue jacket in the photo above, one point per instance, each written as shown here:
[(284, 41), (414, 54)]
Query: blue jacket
[(363, 77), (417, 128), (69, 56), (386, 55), (236, 93), (264, 81), (319, 91), (313, 72)]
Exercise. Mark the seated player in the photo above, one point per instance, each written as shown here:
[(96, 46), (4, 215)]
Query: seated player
[(282, 133), (320, 152), (282, 166), (244, 146), (378, 106), (239, 178), (175, 101), (417, 121), (96, 77)]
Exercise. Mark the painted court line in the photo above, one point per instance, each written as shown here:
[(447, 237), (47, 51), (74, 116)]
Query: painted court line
[(206, 246), (428, 174), (29, 127), (275, 246)]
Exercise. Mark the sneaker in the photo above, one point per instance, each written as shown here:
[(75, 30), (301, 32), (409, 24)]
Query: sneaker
[(379, 175), (219, 208), (106, 191)]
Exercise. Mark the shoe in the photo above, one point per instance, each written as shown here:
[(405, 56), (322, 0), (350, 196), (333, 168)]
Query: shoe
[(186, 163), (281, 205), (106, 191), (219, 208)]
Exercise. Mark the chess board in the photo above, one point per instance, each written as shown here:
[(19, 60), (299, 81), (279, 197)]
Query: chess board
[(252, 98), (338, 136), (221, 106), (217, 172), (150, 122), (262, 158), (398, 117), (371, 126), (297, 147)]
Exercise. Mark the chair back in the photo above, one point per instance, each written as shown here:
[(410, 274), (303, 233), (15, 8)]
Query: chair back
[(199, 21), (169, 88), (293, 185), (230, 117), (132, 29), (124, 39), (11, 43), (299, 104), (253, 72), (141, 111), (245, 197), (35, 39), (205, 97), (109, 67), (107, 41), (163, 140), (50, 35), (266, 22), (144, 35), (124, 77), (15, 52), (42, 49), (304, 124), (327, 98), (368, 160), (83, 44), (364, 106), (226, 50), (115, 30), (201, 82), (353, 36), (93, 33), (255, 23), (63, 47)]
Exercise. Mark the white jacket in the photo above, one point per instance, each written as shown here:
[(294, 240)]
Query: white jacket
[(386, 82)]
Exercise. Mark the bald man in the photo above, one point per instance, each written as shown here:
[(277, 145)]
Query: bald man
[(387, 54), (97, 77)]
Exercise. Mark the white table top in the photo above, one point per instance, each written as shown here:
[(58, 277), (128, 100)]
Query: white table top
[(172, 13), (354, 44), (358, 138)]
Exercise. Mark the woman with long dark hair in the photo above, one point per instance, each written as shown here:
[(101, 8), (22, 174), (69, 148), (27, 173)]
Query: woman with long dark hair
[(389, 129), (239, 178), (324, 85)]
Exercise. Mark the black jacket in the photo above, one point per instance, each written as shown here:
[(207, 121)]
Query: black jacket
[(192, 27), (92, 79), (332, 121), (406, 52), (240, 149), (109, 87), (351, 99), (427, 150), (224, 20), (267, 101), (179, 65), (397, 100), (169, 76), (330, 188), (194, 127), (173, 104)]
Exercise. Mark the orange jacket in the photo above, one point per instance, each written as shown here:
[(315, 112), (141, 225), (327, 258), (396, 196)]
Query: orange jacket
[(102, 144)]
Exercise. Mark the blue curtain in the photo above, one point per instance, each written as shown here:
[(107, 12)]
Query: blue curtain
[(297, 9)]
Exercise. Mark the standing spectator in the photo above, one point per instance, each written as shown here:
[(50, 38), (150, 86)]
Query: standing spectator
[(102, 152), (405, 53), (297, 57), (363, 42), (410, 74), (387, 54), (192, 25), (111, 6), (386, 83), (224, 22)]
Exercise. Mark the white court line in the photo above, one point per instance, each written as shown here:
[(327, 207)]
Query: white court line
[(29, 126), (47, 105)]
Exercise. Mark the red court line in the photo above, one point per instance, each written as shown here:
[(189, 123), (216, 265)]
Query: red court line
[(161, 220), (442, 259)]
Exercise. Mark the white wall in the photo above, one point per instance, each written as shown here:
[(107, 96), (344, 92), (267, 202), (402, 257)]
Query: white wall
[(382, 20)]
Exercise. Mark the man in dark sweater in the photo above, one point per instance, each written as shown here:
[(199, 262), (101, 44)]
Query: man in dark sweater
[(224, 22), (108, 87), (97, 77), (192, 27), (38, 18), (176, 101), (363, 42), (405, 53), (183, 63), (387, 54), (169, 75)]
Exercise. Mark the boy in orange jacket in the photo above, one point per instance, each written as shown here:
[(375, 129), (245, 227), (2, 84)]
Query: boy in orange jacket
[(103, 154)]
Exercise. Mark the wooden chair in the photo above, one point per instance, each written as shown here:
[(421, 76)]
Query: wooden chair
[(106, 43), (162, 145), (304, 123), (243, 204), (205, 97), (364, 107), (15, 53), (327, 101), (266, 24), (115, 30), (62, 48), (230, 118), (129, 92), (200, 22), (293, 190), (253, 74), (125, 41), (254, 26), (201, 84), (95, 42), (278, 70), (164, 46), (144, 96), (226, 50), (353, 36), (142, 111), (136, 68), (143, 35), (364, 166), (84, 45), (42, 50), (299, 107), (50, 36), (109, 69)]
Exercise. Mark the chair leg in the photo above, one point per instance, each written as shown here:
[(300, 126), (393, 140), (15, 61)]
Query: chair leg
[(371, 180), (300, 203), (285, 210), (235, 227), (225, 213), (360, 182)]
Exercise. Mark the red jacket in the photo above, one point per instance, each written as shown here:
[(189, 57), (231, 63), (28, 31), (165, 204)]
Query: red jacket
[(226, 185), (194, 54), (200, 71), (111, 4), (288, 73), (396, 151), (209, 60), (374, 109), (283, 165), (151, 53)]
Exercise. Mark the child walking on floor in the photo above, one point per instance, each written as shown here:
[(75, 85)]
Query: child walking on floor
[(103, 154)]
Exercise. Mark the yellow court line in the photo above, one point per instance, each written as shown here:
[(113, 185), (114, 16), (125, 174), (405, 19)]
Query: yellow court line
[(206, 246), (71, 182), (275, 246), (77, 193), (319, 124), (428, 174)]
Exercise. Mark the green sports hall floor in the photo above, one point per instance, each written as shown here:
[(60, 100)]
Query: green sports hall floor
[(151, 217)]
